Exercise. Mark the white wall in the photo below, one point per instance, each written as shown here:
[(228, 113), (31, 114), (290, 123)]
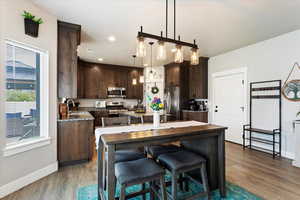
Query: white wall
[(267, 60), (12, 27)]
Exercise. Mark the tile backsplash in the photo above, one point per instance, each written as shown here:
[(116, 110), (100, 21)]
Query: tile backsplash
[(128, 103)]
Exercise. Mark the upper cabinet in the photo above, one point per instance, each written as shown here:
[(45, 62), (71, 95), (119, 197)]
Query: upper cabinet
[(192, 79), (95, 78), (68, 40), (198, 80)]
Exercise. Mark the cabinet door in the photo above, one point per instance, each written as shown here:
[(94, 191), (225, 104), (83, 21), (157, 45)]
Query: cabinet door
[(172, 75), (91, 84), (80, 80), (67, 62), (132, 90), (74, 140), (198, 80)]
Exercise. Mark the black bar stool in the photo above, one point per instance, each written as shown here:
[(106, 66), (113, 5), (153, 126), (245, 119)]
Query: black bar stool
[(181, 162), (139, 172), (157, 150), (122, 156)]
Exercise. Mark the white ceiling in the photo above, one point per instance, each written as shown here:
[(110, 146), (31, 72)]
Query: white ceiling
[(217, 25)]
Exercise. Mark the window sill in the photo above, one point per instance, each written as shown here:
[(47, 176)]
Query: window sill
[(25, 146)]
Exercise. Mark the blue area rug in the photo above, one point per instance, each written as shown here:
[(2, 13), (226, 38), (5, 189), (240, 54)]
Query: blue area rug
[(234, 192)]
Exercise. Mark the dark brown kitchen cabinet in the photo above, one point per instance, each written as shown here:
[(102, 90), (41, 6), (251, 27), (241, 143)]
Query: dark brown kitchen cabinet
[(68, 40), (75, 141), (134, 91), (195, 115), (198, 80), (95, 78)]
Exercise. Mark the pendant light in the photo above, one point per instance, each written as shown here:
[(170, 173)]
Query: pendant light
[(178, 54), (194, 55), (134, 81), (142, 78), (151, 75), (161, 49), (141, 47)]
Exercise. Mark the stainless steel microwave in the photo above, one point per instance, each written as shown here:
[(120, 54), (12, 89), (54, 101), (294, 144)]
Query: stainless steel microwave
[(116, 92)]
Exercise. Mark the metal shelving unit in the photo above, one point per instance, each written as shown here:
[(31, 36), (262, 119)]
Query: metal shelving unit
[(250, 133)]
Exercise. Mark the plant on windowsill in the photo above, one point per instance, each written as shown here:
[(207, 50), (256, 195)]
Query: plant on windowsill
[(31, 24)]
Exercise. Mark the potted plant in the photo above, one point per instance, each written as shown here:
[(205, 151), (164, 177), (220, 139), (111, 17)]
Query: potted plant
[(31, 24), (156, 105)]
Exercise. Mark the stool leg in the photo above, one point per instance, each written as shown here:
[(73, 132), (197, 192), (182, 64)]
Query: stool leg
[(181, 182), (104, 174), (151, 191), (143, 188), (186, 184), (205, 180), (122, 192), (163, 188), (174, 185)]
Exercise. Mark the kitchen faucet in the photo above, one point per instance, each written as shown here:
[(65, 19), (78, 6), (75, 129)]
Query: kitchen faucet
[(68, 103)]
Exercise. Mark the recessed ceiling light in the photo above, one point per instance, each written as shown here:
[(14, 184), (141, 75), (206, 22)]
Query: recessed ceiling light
[(145, 65), (173, 50), (100, 59), (111, 38)]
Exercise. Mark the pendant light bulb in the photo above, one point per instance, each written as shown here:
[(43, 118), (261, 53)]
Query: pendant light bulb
[(178, 54), (142, 79), (194, 56), (161, 51), (141, 47)]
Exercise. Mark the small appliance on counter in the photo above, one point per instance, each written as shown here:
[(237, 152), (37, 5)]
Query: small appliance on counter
[(140, 108), (198, 105), (100, 104)]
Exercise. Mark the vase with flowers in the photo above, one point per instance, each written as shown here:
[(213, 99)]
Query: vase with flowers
[(156, 105)]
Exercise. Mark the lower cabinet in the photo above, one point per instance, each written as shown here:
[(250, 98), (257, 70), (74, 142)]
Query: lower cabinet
[(195, 115), (75, 141)]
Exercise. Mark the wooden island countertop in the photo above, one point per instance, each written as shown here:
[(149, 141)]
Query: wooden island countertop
[(208, 140)]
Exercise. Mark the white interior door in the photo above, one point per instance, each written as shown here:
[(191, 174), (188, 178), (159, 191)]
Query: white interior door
[(229, 104)]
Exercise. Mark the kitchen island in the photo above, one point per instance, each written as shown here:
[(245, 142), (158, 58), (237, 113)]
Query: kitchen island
[(205, 139)]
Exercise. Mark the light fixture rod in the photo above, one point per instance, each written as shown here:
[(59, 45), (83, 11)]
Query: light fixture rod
[(174, 19), (167, 8), (165, 39)]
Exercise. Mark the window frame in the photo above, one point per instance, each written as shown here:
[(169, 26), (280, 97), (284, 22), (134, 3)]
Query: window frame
[(44, 139)]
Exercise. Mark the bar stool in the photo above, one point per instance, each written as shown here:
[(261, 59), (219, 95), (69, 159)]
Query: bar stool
[(181, 162), (157, 150), (139, 172), (122, 156)]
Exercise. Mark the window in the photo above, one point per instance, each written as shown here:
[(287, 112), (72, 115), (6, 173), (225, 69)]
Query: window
[(26, 106)]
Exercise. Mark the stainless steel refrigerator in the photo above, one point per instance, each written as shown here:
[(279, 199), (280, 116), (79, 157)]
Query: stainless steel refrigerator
[(172, 102)]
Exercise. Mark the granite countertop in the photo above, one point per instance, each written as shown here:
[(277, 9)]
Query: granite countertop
[(77, 116), (91, 109), (193, 111)]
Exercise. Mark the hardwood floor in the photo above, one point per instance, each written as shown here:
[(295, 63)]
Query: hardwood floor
[(255, 171)]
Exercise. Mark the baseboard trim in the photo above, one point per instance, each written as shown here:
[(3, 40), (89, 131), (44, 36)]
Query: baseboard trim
[(26, 180)]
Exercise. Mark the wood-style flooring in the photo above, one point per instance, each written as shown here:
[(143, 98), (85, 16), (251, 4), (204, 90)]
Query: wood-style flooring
[(255, 171)]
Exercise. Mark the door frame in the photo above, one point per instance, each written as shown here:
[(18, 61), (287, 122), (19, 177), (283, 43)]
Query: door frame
[(242, 70)]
